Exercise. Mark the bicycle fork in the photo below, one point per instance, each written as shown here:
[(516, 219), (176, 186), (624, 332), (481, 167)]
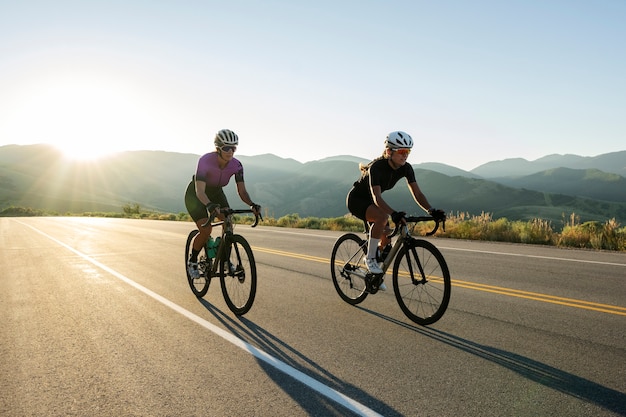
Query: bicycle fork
[(418, 262), (394, 251), (223, 256)]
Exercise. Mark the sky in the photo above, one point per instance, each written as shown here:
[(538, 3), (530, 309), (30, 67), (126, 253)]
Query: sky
[(470, 81)]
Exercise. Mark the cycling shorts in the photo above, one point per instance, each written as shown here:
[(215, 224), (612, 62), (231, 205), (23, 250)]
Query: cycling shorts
[(194, 206), (358, 204)]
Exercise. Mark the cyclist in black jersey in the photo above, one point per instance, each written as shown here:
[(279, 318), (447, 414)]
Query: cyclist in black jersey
[(365, 198)]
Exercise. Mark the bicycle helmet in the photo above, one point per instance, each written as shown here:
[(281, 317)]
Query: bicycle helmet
[(397, 140), (226, 137)]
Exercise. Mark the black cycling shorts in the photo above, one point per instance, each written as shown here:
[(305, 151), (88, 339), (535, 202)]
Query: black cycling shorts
[(194, 206), (357, 205)]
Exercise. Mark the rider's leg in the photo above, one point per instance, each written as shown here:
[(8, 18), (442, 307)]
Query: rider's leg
[(384, 240), (200, 239), (379, 219)]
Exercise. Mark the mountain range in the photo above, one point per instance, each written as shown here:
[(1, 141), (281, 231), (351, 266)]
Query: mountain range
[(551, 188)]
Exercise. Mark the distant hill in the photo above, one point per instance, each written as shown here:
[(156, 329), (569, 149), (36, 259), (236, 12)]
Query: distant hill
[(38, 176), (446, 169), (614, 162), (345, 158), (588, 183)]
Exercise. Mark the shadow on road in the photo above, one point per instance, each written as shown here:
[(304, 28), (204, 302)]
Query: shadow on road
[(312, 402), (541, 373)]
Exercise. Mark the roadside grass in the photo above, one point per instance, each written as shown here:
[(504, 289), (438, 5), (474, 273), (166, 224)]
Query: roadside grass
[(609, 235)]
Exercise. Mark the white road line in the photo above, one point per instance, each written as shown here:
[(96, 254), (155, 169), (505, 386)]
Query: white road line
[(552, 258), (325, 390), (462, 250)]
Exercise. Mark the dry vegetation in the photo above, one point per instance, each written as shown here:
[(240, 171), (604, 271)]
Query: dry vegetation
[(572, 233)]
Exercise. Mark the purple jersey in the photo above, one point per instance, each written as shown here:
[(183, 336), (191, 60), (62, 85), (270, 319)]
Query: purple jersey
[(210, 172)]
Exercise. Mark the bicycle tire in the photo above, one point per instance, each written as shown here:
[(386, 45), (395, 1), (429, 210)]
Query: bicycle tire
[(199, 286), (421, 282), (348, 269), (239, 282)]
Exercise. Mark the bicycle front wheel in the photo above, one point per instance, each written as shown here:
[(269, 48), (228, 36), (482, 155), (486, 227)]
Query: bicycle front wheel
[(421, 282), (348, 269), (200, 285), (238, 275)]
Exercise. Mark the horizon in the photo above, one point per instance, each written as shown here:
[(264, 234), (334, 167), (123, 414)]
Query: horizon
[(112, 154), (471, 83)]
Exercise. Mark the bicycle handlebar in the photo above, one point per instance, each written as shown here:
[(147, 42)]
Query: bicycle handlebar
[(229, 211), (417, 219)]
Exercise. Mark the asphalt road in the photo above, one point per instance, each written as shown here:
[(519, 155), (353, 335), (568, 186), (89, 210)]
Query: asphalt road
[(97, 320)]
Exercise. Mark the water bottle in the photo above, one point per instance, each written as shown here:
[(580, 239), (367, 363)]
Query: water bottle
[(216, 245), (210, 247)]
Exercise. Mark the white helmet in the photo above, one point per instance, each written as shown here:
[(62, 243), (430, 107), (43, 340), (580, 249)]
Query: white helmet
[(397, 140), (226, 137)]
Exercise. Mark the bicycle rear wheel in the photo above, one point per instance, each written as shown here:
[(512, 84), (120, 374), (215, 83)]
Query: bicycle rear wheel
[(238, 275), (348, 269), (199, 286), (421, 282)]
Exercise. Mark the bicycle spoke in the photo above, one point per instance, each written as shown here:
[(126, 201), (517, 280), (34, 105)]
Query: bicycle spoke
[(421, 282), (348, 270), (200, 285), (238, 276)]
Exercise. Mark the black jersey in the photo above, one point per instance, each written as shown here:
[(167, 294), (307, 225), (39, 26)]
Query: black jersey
[(381, 173)]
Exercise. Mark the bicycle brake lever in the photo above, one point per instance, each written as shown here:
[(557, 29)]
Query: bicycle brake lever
[(256, 220)]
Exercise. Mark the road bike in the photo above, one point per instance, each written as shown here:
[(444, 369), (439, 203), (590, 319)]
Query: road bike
[(233, 263), (421, 279)]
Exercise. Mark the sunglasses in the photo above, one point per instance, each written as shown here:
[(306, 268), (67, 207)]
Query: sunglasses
[(228, 148), (403, 151)]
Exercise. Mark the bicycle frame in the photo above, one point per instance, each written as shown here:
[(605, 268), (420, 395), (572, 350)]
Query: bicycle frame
[(227, 231), (404, 236), (395, 248)]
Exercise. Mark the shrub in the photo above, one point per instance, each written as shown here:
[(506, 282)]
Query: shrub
[(536, 231), (613, 237), (592, 235), (290, 220), (21, 212)]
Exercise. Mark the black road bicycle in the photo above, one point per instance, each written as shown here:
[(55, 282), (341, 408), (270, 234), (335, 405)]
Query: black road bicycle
[(233, 263), (421, 280)]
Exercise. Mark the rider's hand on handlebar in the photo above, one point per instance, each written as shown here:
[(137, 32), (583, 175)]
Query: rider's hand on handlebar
[(398, 217), (255, 208), (437, 214), (213, 208)]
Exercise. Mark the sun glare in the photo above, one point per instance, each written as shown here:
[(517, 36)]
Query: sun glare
[(82, 152), (85, 118)]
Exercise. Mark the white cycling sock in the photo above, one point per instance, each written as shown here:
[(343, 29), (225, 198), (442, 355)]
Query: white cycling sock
[(372, 246)]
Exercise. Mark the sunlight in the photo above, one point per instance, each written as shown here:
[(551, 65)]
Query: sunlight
[(84, 117)]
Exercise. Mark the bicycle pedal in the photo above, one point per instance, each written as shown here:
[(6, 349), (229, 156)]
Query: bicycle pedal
[(372, 282)]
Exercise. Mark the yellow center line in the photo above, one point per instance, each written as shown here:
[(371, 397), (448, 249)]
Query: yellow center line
[(587, 305), (292, 254), (570, 302)]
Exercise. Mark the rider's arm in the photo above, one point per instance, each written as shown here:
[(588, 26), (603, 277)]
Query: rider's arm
[(200, 193), (378, 199), (419, 196), (243, 193), (245, 197)]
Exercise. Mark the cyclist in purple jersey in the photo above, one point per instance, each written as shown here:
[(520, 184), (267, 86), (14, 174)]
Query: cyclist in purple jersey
[(204, 192), (365, 200)]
